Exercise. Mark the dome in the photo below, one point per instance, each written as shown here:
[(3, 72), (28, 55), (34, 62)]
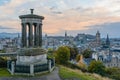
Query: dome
[(31, 16)]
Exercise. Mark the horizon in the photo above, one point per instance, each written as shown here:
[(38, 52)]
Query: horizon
[(75, 17), (43, 35)]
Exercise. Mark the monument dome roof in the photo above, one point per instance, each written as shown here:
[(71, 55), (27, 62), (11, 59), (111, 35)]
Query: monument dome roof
[(31, 15)]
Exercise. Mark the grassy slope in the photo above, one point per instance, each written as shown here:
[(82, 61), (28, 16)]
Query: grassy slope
[(4, 72), (67, 73)]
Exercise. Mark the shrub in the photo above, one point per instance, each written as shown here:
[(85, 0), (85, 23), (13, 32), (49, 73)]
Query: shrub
[(62, 55), (87, 53), (73, 52), (113, 73), (96, 67), (78, 57), (3, 62)]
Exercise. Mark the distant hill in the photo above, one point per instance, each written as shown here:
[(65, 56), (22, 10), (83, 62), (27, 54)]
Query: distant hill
[(8, 35)]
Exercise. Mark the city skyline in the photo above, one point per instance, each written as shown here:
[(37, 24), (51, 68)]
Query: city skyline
[(76, 16)]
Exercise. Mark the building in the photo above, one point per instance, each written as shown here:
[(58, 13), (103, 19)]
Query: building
[(98, 39), (109, 56)]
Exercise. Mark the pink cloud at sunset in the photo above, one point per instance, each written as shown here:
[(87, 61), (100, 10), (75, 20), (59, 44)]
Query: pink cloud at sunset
[(60, 15)]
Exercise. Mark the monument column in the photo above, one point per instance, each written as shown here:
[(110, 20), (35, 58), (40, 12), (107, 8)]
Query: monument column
[(35, 32), (30, 35), (37, 35), (34, 22), (40, 35), (24, 40)]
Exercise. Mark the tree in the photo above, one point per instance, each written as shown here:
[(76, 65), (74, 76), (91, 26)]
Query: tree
[(113, 73), (50, 50), (78, 57), (96, 67), (50, 53), (62, 55), (73, 52), (80, 62), (87, 53), (3, 62), (2, 51)]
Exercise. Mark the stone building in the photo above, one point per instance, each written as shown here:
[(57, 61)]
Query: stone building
[(98, 41), (110, 57)]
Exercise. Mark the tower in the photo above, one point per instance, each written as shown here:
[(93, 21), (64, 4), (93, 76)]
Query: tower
[(32, 23), (98, 38), (65, 34), (66, 38), (107, 41)]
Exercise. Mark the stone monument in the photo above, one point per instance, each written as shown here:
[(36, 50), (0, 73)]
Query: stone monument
[(31, 58)]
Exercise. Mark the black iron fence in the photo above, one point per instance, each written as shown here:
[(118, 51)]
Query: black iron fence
[(26, 68), (22, 69), (52, 63), (40, 68)]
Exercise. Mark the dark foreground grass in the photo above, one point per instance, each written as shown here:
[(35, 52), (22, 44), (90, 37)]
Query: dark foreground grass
[(4, 73), (64, 72)]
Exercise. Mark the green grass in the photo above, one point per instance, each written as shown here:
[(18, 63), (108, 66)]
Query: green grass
[(67, 73), (64, 72), (4, 72)]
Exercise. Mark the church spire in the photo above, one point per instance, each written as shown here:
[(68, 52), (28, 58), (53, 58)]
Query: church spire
[(107, 40), (98, 33), (65, 34), (18, 35)]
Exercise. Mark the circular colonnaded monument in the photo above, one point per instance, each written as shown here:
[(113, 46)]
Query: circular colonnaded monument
[(31, 57)]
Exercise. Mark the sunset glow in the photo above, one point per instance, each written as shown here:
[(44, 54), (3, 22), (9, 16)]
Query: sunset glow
[(60, 15)]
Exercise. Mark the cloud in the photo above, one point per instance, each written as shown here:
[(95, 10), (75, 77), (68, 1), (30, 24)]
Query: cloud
[(57, 12), (61, 15), (3, 27)]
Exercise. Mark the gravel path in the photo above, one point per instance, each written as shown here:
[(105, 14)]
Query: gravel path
[(51, 76)]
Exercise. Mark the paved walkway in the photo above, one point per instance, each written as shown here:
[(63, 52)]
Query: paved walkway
[(51, 76)]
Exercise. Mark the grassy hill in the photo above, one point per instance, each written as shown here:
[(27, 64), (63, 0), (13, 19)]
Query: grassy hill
[(71, 74), (65, 73), (4, 72)]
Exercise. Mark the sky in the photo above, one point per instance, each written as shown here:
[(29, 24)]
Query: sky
[(73, 16)]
